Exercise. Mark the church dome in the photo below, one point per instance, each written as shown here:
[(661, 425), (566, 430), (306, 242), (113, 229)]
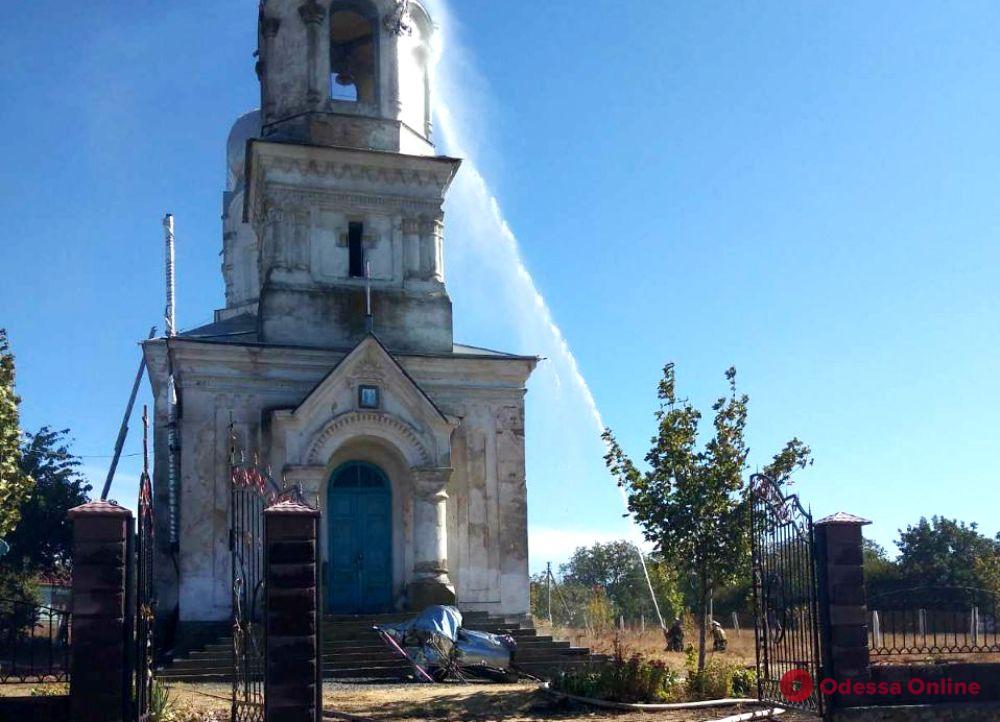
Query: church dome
[(246, 127)]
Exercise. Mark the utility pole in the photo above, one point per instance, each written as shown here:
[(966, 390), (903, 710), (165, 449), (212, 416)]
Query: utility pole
[(548, 579)]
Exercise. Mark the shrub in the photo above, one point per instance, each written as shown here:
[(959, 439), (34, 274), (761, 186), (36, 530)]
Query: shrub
[(721, 680), (161, 704), (624, 678)]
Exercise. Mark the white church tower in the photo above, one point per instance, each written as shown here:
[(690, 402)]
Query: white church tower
[(334, 355)]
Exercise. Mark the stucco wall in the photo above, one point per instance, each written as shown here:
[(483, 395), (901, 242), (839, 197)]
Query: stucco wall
[(487, 521)]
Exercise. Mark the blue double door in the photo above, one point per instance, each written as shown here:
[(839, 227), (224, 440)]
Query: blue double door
[(359, 518)]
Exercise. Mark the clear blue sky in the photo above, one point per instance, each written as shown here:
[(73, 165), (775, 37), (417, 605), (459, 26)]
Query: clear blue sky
[(808, 191)]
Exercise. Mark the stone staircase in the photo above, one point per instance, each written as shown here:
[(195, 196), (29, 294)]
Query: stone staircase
[(352, 650)]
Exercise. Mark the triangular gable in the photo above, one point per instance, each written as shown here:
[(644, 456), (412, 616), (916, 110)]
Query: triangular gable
[(371, 361)]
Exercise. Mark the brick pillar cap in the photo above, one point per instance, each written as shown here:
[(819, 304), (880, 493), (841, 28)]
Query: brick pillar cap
[(843, 518), (291, 507), (100, 508)]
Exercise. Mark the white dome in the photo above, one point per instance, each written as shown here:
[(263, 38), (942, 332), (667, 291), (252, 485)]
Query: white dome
[(246, 127)]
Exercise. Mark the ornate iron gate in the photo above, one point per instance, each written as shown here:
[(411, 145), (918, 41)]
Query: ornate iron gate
[(252, 490), (249, 488), (145, 606), (785, 598)]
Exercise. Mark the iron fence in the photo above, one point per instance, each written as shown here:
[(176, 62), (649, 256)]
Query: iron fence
[(34, 642), (934, 620)]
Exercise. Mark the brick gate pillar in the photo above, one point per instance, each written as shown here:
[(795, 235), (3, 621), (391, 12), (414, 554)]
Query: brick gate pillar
[(293, 673), (843, 613), (99, 688)]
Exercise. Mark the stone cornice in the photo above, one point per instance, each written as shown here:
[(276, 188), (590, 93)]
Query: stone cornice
[(356, 164)]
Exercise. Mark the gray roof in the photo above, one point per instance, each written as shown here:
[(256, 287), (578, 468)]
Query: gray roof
[(242, 329), (238, 329)]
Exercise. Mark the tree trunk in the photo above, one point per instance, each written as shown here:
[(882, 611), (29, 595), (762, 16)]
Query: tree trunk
[(702, 614)]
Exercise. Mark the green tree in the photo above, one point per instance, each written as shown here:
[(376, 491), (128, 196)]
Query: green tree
[(881, 573), (947, 552), (616, 567), (690, 503), (43, 541), (15, 485)]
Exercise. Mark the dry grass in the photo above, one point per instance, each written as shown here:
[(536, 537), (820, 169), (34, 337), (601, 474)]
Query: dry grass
[(652, 645), (442, 702)]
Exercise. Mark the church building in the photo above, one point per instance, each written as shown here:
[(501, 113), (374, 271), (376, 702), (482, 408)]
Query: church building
[(334, 357)]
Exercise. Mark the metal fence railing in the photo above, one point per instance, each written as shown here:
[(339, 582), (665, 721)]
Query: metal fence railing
[(934, 620), (34, 643)]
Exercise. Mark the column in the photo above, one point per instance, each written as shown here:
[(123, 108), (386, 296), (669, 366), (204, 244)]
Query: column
[(437, 235), (843, 614), (411, 248), (313, 14), (269, 27), (431, 582), (293, 684), (428, 249), (100, 690)]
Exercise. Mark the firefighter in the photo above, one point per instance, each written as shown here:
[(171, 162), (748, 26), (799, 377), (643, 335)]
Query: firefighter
[(675, 637), (719, 642)]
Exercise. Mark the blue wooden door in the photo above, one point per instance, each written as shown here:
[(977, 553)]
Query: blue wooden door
[(360, 543)]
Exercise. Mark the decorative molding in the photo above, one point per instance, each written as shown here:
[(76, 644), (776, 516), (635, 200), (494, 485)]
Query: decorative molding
[(368, 370), (284, 194), (312, 13), (394, 428), (356, 172), (395, 21)]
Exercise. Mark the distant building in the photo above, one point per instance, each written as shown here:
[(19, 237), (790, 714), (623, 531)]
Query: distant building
[(54, 590), (410, 444)]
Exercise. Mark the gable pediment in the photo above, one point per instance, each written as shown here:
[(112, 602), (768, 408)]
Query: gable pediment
[(336, 405), (370, 364)]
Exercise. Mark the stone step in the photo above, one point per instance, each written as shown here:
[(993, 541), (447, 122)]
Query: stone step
[(351, 649), (223, 650)]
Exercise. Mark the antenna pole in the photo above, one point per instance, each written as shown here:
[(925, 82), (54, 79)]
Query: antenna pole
[(170, 314)]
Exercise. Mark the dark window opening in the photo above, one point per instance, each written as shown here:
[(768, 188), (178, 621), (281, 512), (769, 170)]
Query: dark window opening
[(356, 249), (352, 57)]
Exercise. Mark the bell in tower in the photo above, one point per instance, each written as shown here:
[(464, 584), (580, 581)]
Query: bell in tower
[(342, 187)]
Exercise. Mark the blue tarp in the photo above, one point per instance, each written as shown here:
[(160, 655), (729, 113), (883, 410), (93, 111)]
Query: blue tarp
[(435, 639), (440, 620)]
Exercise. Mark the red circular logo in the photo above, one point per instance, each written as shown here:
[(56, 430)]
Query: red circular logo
[(796, 685)]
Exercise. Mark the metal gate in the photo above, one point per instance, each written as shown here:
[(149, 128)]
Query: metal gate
[(141, 671), (248, 484), (785, 598)]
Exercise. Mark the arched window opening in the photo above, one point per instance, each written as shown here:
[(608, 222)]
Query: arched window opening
[(360, 475), (352, 57)]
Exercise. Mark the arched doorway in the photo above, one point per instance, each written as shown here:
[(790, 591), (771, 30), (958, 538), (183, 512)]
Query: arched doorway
[(359, 519)]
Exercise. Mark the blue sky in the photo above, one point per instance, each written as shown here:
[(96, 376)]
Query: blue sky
[(806, 191)]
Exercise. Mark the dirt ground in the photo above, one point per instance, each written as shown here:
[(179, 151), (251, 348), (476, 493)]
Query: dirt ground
[(444, 703), (651, 644)]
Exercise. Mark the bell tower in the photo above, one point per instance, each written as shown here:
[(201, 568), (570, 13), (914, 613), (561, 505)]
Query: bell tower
[(343, 188)]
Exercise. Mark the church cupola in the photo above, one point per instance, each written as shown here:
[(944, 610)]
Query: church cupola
[(350, 73)]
